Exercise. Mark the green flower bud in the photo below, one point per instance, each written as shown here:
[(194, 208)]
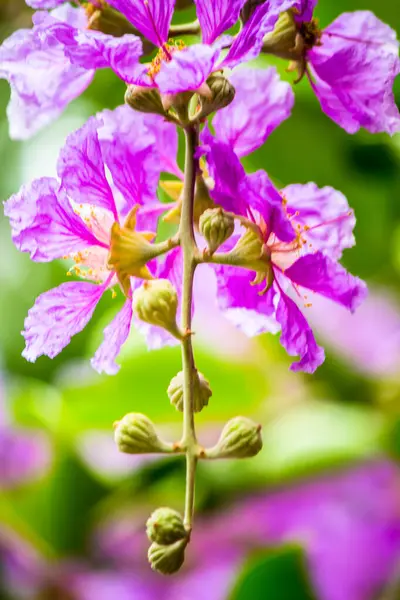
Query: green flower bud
[(220, 93), (216, 226), (240, 438), (165, 527), (167, 559), (147, 100), (201, 391), (135, 434), (282, 40), (156, 302)]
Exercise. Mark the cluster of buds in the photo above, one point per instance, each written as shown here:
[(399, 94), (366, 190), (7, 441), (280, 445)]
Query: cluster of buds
[(169, 538), (184, 108)]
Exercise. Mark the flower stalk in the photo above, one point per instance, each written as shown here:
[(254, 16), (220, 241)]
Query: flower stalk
[(188, 245)]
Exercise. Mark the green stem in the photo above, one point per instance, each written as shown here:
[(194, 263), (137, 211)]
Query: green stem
[(188, 246), (185, 29)]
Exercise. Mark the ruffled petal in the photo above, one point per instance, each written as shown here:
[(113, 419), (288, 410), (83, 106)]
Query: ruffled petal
[(166, 141), (43, 222), (43, 81), (216, 16), (241, 303), (130, 156), (188, 69), (248, 43), (115, 335), (305, 9), (227, 172), (56, 316), (261, 103), (356, 66), (81, 168), (96, 50), (324, 276), (325, 214), (297, 337), (152, 18), (262, 196)]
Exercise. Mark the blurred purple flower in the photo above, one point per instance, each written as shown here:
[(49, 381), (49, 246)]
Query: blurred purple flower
[(348, 524), (25, 454), (370, 339), (78, 217)]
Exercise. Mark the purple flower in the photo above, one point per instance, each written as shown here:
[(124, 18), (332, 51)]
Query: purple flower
[(25, 455), (62, 46), (351, 65), (84, 216), (370, 339), (301, 233), (43, 81), (354, 70)]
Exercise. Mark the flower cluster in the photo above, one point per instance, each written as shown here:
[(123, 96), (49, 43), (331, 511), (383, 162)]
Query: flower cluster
[(271, 250)]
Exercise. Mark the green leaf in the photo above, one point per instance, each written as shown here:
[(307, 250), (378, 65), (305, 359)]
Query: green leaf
[(274, 575)]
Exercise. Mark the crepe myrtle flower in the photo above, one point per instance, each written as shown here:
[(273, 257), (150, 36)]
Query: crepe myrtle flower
[(105, 225), (351, 64), (292, 241), (54, 62)]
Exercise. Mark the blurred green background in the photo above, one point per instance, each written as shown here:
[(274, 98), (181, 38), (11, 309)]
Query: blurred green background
[(347, 412)]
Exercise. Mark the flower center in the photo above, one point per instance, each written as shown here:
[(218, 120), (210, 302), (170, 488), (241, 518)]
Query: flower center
[(164, 54), (311, 34), (91, 263)]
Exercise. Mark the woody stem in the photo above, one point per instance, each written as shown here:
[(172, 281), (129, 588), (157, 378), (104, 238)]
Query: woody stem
[(188, 246)]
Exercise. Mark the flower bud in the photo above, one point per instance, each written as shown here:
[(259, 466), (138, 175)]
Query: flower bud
[(146, 100), (135, 434), (156, 302), (281, 41), (220, 93), (167, 559), (240, 438), (165, 527), (216, 226), (201, 391)]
